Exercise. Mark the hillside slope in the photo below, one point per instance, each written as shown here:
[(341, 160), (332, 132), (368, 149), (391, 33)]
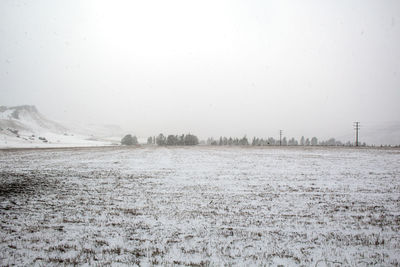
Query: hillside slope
[(25, 126)]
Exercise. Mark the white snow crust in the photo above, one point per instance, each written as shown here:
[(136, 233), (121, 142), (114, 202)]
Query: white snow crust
[(200, 206)]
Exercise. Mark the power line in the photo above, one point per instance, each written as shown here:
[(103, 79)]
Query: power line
[(357, 128)]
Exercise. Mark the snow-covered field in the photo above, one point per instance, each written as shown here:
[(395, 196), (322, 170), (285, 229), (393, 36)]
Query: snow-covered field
[(53, 141), (200, 206)]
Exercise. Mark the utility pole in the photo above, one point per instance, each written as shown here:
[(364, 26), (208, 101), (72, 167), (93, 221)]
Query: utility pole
[(280, 137), (357, 128)]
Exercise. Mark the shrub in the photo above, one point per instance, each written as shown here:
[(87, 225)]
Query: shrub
[(129, 140)]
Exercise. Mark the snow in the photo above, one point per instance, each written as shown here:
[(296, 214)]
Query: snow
[(5, 115), (24, 127), (54, 140), (200, 206)]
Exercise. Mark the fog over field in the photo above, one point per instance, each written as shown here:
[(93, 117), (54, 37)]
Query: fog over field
[(200, 133), (212, 68)]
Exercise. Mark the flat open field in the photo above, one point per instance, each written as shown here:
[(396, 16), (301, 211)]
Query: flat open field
[(200, 206)]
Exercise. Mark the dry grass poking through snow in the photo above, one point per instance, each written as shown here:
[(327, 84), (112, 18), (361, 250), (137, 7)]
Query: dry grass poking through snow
[(200, 206)]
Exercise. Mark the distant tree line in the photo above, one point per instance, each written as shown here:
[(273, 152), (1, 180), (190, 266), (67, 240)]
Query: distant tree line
[(270, 141), (174, 140), (225, 141), (192, 140)]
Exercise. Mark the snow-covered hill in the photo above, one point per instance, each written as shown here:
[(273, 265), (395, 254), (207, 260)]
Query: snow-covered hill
[(27, 119), (25, 126), (384, 133)]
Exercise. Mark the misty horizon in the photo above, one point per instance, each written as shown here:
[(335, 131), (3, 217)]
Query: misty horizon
[(200, 133), (229, 68)]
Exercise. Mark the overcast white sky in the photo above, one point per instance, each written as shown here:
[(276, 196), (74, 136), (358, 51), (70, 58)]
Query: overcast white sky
[(209, 67)]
